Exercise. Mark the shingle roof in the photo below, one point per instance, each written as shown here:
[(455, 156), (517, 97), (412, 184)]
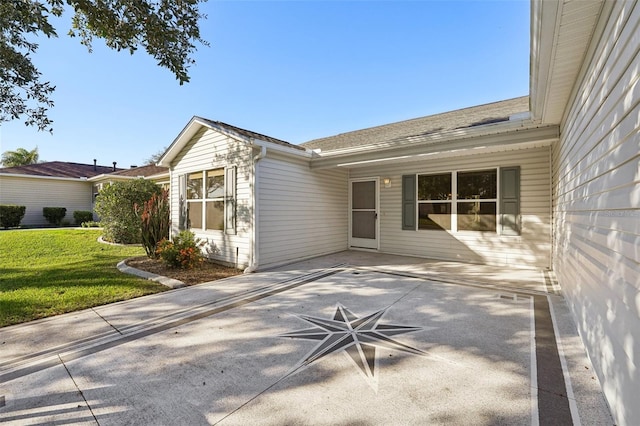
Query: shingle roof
[(148, 170), (250, 134), (432, 124), (59, 169)]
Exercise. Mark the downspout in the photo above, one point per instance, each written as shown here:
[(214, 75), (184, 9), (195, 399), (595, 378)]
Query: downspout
[(255, 257)]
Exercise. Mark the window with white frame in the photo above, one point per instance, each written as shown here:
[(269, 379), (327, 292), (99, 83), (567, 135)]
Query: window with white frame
[(434, 201), (458, 201), (206, 200)]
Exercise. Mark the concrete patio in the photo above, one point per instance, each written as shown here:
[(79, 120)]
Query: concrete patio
[(350, 338)]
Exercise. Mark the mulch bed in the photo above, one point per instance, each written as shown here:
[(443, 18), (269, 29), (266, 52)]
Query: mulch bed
[(207, 271)]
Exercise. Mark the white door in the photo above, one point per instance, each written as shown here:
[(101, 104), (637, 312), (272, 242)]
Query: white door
[(363, 229)]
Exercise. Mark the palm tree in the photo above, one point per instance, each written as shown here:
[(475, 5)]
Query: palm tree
[(19, 157)]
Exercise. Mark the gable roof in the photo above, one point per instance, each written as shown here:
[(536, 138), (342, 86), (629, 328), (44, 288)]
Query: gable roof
[(197, 123), (59, 169), (248, 133), (433, 124)]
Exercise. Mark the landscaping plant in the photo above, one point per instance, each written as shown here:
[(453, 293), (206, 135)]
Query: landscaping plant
[(183, 252), (154, 220), (116, 207), (82, 216), (54, 215), (10, 215)]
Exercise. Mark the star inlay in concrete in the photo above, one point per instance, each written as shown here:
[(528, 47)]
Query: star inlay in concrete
[(358, 338)]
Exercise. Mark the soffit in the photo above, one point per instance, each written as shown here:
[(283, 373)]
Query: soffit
[(561, 34)]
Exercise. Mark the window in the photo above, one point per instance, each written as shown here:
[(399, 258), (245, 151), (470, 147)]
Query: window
[(482, 188), (206, 198), (434, 201), (458, 201)]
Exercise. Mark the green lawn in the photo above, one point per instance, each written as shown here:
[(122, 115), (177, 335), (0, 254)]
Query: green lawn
[(50, 272)]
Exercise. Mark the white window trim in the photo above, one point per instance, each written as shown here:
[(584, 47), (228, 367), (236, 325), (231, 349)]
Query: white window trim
[(454, 200), (205, 200)]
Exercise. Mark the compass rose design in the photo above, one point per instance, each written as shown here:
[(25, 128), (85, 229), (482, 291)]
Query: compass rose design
[(358, 338)]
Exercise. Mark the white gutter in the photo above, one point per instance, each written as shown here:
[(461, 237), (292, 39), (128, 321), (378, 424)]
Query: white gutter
[(255, 256), (17, 175)]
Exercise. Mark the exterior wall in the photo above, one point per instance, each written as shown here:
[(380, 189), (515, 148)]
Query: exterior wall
[(302, 212), (531, 249), (36, 193), (207, 150), (596, 191)]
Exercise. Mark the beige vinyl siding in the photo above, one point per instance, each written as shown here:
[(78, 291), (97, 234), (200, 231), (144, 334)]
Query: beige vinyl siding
[(208, 150), (531, 249), (596, 184), (302, 212), (36, 193)]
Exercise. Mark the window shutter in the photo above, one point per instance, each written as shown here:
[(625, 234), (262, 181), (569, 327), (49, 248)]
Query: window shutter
[(182, 200), (409, 202), (510, 220), (230, 199)]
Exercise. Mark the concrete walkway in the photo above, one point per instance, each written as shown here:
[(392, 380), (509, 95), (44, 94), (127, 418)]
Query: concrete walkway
[(350, 338)]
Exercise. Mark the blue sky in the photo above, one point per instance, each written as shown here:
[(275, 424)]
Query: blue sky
[(294, 70)]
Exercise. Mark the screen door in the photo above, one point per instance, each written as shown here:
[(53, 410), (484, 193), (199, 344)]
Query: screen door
[(364, 214)]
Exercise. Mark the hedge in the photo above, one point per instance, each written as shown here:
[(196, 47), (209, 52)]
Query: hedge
[(54, 215), (10, 215)]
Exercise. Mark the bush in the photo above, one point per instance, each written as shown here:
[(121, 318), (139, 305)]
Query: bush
[(91, 224), (82, 216), (154, 220), (54, 215), (10, 215), (115, 206), (183, 252)]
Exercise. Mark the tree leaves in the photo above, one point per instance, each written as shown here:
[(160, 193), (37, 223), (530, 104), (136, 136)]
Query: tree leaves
[(20, 157), (168, 30)]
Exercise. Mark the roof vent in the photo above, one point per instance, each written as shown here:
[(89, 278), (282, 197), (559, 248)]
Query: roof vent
[(95, 165), (133, 166), (114, 166)]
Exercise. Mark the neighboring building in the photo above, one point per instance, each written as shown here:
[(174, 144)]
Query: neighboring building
[(159, 175), (547, 181), (63, 184)]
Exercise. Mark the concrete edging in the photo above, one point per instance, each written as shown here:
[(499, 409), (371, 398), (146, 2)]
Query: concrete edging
[(169, 282)]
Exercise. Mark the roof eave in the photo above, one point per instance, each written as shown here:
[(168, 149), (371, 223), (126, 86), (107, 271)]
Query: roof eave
[(17, 175), (454, 141), (558, 51), (188, 132)]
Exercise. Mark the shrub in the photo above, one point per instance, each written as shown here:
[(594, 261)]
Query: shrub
[(82, 216), (154, 220), (10, 215), (91, 224), (54, 215), (183, 252), (115, 206)]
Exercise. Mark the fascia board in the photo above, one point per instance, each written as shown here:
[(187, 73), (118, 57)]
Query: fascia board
[(274, 147), (158, 176), (16, 175), (541, 135), (545, 19), (442, 137), (111, 178)]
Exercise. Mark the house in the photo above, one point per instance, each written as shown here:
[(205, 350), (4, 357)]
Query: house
[(260, 202), (551, 180), (63, 184)]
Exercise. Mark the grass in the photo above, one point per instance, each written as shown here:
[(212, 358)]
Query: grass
[(50, 272)]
